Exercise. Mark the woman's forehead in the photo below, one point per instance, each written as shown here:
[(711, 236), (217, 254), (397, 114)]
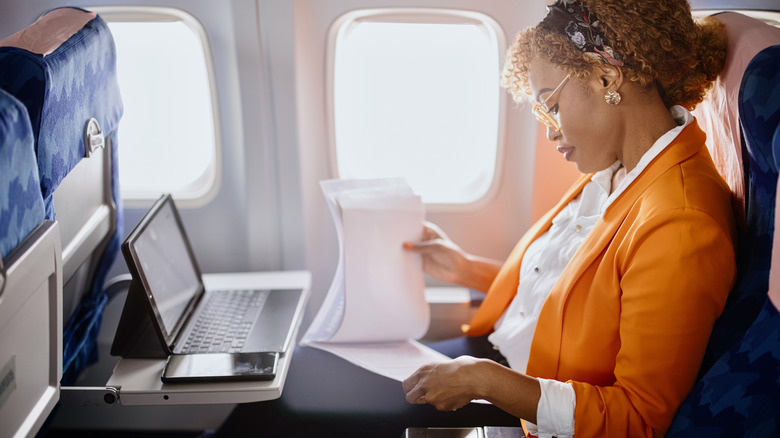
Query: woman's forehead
[(543, 74)]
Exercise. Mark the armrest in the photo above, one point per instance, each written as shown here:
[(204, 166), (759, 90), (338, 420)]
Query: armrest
[(451, 307)]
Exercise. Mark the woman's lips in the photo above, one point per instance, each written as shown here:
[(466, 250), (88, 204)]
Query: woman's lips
[(566, 151)]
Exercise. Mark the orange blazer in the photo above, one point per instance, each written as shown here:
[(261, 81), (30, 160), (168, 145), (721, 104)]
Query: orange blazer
[(629, 318)]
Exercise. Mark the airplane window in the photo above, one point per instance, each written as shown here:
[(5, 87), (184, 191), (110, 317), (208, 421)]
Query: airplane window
[(167, 135), (418, 96)]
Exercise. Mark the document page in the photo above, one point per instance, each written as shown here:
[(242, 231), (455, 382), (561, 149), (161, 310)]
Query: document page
[(396, 360), (375, 307)]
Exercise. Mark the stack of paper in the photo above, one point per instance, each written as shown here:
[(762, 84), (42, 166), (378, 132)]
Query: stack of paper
[(375, 307)]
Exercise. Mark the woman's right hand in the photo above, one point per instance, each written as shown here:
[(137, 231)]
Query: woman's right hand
[(446, 261)]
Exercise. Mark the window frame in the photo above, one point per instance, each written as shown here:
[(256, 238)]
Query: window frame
[(423, 16), (206, 187), (771, 18)]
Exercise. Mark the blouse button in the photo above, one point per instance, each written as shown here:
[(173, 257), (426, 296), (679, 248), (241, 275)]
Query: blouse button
[(577, 228), (537, 269)]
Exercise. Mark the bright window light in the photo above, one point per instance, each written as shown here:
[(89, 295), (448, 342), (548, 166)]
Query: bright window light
[(418, 100), (167, 135)]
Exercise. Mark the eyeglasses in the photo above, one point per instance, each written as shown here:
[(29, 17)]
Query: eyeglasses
[(540, 110)]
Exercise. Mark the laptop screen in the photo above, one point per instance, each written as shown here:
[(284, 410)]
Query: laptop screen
[(164, 262)]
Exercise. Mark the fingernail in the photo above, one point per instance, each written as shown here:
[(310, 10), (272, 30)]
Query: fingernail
[(408, 245)]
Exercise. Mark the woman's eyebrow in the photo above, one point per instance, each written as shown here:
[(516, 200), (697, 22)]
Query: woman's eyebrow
[(539, 94)]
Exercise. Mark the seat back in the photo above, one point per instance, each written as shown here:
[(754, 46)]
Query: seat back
[(30, 283), (739, 395), (746, 161), (21, 204), (63, 68)]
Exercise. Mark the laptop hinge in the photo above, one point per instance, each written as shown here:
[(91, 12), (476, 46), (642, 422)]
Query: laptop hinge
[(137, 335)]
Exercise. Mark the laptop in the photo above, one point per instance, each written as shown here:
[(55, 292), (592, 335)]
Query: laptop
[(188, 318)]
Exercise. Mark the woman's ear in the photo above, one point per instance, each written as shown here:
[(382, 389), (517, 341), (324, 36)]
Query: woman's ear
[(610, 77)]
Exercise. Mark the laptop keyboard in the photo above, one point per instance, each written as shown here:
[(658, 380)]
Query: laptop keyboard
[(224, 323)]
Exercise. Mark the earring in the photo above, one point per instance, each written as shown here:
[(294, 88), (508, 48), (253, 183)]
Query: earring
[(612, 97)]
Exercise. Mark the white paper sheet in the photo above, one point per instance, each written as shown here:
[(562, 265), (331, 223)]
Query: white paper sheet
[(396, 360), (378, 289), (376, 305)]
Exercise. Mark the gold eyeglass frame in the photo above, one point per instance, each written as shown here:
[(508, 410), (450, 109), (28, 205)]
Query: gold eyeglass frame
[(540, 110)]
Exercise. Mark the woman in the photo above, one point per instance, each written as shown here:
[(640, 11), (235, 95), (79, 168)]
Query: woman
[(604, 308)]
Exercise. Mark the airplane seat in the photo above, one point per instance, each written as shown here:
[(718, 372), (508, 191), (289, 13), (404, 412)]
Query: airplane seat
[(745, 160), (22, 203), (63, 68), (30, 283), (739, 395)]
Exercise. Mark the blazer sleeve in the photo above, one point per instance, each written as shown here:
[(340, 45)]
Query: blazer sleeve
[(675, 269)]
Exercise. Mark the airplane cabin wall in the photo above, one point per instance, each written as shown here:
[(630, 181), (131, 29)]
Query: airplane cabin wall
[(491, 230), (269, 59), (241, 228)]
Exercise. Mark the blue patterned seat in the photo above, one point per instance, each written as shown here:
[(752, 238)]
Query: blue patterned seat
[(21, 204), (63, 87), (739, 395), (758, 175), (61, 90)]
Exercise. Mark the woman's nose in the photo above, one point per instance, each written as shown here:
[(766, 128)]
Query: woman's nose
[(553, 134)]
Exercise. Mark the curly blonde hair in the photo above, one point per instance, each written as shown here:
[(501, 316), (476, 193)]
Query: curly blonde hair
[(659, 41)]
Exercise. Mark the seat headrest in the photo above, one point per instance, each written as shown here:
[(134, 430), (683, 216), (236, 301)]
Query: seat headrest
[(759, 105), (63, 88), (21, 204), (718, 115), (49, 31)]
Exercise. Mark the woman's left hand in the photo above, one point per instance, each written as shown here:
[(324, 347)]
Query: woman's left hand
[(447, 386)]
